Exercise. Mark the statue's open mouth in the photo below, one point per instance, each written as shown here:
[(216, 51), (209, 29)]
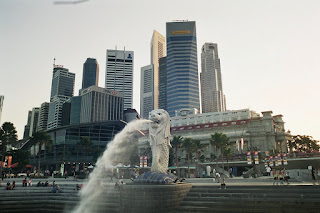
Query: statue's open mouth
[(155, 121)]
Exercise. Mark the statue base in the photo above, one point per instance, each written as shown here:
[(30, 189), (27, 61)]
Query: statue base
[(155, 198), (156, 178)]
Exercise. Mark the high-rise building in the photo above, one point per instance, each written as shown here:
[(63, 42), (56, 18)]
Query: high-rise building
[(90, 74), (27, 127), (61, 90), (158, 50), (1, 105), (75, 110), (147, 91), (163, 83), (100, 104), (182, 66), (212, 97), (34, 121), (43, 117), (119, 74)]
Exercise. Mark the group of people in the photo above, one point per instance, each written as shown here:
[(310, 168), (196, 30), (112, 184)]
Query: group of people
[(26, 182), (280, 176), (40, 184), (11, 186)]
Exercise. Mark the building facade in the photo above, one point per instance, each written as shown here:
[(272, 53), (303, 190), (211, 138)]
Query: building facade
[(1, 105), (212, 97), (119, 74), (147, 91), (43, 117), (163, 83), (258, 132), (100, 104), (65, 140), (158, 50), (61, 90), (90, 75), (182, 66)]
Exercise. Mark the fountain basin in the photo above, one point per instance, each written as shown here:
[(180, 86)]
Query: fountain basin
[(149, 198)]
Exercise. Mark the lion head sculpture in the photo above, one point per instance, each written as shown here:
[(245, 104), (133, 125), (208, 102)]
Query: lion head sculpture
[(160, 126)]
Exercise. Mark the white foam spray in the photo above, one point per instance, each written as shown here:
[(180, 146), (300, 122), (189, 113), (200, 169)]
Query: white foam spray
[(92, 189)]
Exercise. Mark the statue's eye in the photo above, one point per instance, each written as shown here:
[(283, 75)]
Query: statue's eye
[(159, 113)]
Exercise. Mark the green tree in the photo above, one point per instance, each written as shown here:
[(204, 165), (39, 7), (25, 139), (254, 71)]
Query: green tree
[(8, 135), (22, 157), (228, 153), (85, 145), (176, 143), (305, 143), (190, 147), (219, 141), (40, 139)]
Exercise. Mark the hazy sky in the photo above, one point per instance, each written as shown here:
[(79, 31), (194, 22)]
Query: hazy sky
[(269, 50)]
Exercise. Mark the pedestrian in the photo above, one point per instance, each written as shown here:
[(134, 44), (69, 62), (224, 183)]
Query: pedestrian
[(28, 173), (111, 177), (313, 175), (318, 175), (30, 182), (281, 177), (230, 172), (286, 176), (275, 176), (13, 185), (218, 177), (24, 182), (268, 170), (65, 174), (8, 186), (223, 184)]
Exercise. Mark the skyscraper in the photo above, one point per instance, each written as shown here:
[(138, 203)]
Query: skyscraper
[(1, 105), (90, 74), (158, 50), (34, 121), (119, 74), (61, 90), (147, 91), (212, 97), (43, 117), (182, 66), (27, 127), (163, 83)]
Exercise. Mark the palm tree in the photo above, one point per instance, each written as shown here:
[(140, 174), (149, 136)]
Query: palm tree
[(198, 149), (85, 145), (190, 147), (8, 135), (219, 141), (41, 138), (176, 143)]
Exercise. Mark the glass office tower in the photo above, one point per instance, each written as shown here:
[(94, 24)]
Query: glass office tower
[(182, 67)]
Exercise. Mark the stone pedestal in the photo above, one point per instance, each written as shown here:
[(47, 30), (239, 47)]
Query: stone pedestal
[(150, 198)]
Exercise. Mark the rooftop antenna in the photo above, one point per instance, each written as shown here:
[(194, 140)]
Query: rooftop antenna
[(54, 62)]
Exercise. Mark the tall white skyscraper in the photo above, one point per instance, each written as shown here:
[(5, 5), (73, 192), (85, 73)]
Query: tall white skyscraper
[(212, 97), (147, 91), (119, 74), (1, 105), (158, 50)]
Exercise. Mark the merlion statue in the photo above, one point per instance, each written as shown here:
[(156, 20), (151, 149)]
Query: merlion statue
[(159, 131)]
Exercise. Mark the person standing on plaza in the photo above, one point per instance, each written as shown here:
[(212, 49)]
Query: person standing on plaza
[(268, 169), (275, 176), (313, 175), (281, 177)]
